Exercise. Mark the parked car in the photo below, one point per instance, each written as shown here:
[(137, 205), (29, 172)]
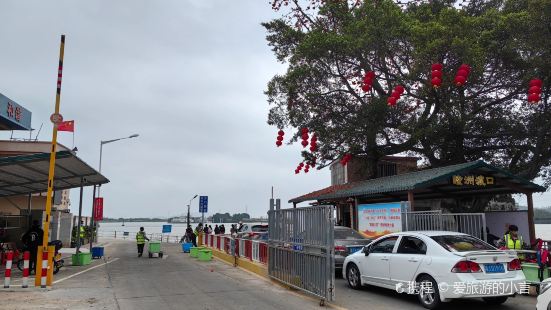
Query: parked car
[(544, 297), (347, 241), (256, 232), (441, 260)]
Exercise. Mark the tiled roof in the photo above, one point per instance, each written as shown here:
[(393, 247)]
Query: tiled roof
[(410, 181)]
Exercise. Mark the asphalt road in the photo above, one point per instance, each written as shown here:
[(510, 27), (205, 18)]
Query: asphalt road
[(372, 297), (124, 281)]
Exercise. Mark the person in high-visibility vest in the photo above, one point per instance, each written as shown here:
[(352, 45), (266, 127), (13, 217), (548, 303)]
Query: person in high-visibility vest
[(513, 241), (140, 240), (82, 233)]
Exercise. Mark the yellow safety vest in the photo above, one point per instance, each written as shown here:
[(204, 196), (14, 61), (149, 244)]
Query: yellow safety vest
[(513, 244), (140, 237), (82, 232)]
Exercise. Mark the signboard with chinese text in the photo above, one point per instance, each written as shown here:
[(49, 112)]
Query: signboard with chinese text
[(472, 180), (167, 229), (98, 209), (13, 116), (203, 204), (375, 220)]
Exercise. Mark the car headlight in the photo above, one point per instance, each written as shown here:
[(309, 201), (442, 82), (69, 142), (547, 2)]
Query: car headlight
[(544, 286)]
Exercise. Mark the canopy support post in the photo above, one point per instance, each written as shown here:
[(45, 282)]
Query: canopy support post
[(79, 215), (531, 227), (92, 220), (411, 201)]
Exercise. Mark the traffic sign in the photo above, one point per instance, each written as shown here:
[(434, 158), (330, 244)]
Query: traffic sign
[(203, 204), (167, 229)]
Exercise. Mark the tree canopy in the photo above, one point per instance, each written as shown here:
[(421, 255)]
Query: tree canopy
[(330, 45)]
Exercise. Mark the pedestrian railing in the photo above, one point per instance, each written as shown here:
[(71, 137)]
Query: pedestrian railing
[(253, 250), (125, 235)]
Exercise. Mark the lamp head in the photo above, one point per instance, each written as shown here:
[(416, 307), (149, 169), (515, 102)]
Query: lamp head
[(134, 135), (195, 196)]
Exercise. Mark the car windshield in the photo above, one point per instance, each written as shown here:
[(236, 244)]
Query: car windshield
[(347, 233), (259, 228), (462, 243)]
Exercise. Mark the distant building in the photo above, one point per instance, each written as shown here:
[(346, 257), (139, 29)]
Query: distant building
[(356, 170)]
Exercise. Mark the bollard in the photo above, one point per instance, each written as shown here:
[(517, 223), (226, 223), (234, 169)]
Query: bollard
[(26, 257), (44, 273), (9, 259)]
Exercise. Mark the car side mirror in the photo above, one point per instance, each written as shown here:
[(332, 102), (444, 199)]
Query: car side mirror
[(366, 250)]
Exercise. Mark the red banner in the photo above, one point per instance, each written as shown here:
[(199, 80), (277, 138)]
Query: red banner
[(98, 209)]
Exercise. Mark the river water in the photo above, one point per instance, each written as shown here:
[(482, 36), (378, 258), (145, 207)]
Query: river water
[(543, 231)]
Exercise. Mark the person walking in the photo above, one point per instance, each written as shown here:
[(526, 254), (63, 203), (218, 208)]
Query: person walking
[(140, 240), (216, 229), (222, 229), (32, 239), (81, 233)]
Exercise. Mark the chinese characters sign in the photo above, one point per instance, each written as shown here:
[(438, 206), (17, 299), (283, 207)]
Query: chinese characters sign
[(472, 180), (13, 116), (375, 220), (98, 209)]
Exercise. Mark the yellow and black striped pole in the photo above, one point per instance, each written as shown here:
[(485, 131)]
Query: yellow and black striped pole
[(55, 118)]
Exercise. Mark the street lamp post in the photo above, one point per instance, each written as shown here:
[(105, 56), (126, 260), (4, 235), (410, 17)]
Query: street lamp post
[(99, 187), (188, 206)]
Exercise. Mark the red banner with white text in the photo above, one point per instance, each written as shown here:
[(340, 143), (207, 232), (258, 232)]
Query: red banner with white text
[(98, 209)]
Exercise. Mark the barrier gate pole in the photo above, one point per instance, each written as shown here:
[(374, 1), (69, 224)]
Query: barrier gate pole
[(56, 118)]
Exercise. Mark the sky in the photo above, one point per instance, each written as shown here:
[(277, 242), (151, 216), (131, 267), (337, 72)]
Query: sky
[(188, 76)]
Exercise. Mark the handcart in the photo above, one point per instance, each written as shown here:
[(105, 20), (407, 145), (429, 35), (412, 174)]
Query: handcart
[(154, 249)]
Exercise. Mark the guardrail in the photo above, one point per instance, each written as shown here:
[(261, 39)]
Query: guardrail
[(253, 250), (132, 235)]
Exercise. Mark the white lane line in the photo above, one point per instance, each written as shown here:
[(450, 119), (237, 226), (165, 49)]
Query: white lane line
[(81, 272)]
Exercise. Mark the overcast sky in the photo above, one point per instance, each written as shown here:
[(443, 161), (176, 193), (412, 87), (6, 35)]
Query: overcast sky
[(187, 76)]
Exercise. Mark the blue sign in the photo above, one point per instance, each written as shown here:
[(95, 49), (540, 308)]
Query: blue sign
[(167, 229), (13, 116), (203, 204)]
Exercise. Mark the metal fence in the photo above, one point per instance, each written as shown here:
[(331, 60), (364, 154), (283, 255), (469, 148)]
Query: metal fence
[(468, 223), (301, 249), (132, 236)]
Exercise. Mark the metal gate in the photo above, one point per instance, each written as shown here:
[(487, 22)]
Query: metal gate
[(301, 249), (468, 223)]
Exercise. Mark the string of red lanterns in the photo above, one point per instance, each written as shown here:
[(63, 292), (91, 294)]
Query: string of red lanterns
[(279, 140), (395, 96), (436, 75), (304, 132), (368, 81), (462, 75), (534, 90), (314, 143)]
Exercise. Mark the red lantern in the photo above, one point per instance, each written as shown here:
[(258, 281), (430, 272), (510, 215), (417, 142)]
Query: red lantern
[(279, 143), (366, 87), (304, 130), (465, 67), (436, 82), (463, 72), (313, 148), (436, 74), (370, 75), (301, 165), (279, 138), (534, 90), (460, 80), (437, 67), (536, 82), (280, 133), (392, 101), (368, 81), (399, 89)]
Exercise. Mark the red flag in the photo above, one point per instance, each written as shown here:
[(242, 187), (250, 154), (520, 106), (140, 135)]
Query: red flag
[(98, 209), (66, 126)]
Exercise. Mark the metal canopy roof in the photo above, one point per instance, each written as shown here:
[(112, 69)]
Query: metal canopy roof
[(28, 174), (427, 184)]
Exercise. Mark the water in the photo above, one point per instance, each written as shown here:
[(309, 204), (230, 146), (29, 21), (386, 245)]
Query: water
[(178, 229), (543, 231)]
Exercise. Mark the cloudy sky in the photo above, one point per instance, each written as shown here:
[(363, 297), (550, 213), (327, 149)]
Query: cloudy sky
[(187, 75)]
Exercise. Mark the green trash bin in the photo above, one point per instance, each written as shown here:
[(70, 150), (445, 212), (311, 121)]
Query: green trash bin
[(205, 255), (530, 271), (81, 259), (194, 251)]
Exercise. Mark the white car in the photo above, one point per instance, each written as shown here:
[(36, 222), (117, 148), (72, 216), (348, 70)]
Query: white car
[(438, 266), (544, 297)]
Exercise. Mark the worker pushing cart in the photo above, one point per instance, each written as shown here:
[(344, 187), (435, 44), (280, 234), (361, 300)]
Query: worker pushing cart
[(140, 240)]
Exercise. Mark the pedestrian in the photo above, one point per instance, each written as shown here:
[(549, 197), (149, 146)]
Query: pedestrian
[(222, 229), (206, 229), (210, 229), (81, 233), (216, 229), (513, 241), (32, 239), (240, 226), (196, 233), (140, 241)]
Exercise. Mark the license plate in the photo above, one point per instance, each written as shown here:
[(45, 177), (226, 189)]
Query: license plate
[(354, 249), (494, 268)]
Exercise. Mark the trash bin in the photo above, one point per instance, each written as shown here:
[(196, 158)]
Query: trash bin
[(97, 252), (194, 251), (186, 247), (530, 271), (205, 255), (81, 259)]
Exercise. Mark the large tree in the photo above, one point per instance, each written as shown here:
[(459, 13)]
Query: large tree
[(329, 46)]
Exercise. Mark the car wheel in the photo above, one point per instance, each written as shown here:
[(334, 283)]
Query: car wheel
[(428, 295), (495, 300), (353, 276)]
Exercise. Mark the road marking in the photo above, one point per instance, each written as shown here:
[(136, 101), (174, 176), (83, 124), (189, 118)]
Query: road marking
[(81, 272)]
